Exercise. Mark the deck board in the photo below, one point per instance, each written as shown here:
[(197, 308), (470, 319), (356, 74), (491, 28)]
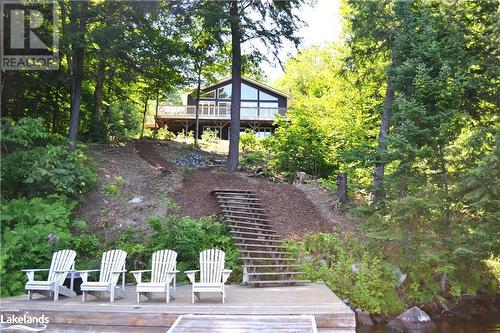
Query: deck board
[(312, 299), (243, 324)]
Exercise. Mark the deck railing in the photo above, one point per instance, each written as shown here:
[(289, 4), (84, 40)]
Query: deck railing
[(218, 112)]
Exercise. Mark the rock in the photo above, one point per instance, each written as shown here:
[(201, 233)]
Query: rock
[(135, 200), (52, 239), (355, 267), (302, 178), (412, 320), (191, 160), (442, 303), (346, 301), (379, 319), (363, 318)]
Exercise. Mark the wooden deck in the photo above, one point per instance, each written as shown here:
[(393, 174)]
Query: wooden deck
[(125, 315)]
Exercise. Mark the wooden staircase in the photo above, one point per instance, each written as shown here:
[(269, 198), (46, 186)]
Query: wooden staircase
[(265, 260)]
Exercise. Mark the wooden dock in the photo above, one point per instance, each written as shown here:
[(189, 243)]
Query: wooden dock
[(125, 315)]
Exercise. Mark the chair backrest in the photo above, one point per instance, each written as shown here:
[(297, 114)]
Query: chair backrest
[(163, 261), (112, 261), (63, 260), (211, 266)]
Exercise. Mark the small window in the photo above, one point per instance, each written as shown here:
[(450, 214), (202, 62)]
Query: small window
[(263, 132), (225, 92), (208, 94), (266, 97), (248, 92)]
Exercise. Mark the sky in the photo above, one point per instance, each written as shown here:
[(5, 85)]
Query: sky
[(323, 26)]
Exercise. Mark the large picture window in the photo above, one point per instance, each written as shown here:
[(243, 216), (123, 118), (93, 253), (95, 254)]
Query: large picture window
[(266, 97), (225, 91), (248, 92), (208, 94)]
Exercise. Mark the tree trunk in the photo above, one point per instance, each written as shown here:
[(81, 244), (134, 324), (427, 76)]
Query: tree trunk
[(156, 112), (96, 114), (144, 117), (19, 110), (197, 109), (342, 188), (5, 93), (378, 193), (76, 96), (77, 13), (234, 135)]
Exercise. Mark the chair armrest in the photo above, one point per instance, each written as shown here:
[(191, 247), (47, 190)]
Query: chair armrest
[(85, 274), (172, 272), (141, 271), (138, 274), (65, 271), (35, 270), (225, 274), (191, 275), (30, 273), (87, 271)]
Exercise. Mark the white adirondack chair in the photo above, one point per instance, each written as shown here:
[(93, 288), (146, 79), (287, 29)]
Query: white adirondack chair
[(163, 273), (213, 276), (112, 265), (63, 262)]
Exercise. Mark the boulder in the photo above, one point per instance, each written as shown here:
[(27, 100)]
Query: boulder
[(412, 320), (363, 318)]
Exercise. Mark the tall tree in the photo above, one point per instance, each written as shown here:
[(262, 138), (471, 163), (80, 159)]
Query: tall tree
[(270, 22), (78, 24)]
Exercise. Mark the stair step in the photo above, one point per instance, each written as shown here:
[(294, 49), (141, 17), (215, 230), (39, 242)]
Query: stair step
[(243, 207), (274, 273), (257, 240), (253, 234), (265, 252), (237, 198), (260, 245), (232, 190), (231, 217), (226, 211), (278, 281), (224, 201), (271, 266), (250, 228), (267, 259), (250, 223)]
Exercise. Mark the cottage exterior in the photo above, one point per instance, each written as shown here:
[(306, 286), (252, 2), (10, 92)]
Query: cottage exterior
[(259, 106)]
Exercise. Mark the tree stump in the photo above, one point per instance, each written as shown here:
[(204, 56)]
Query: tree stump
[(342, 188)]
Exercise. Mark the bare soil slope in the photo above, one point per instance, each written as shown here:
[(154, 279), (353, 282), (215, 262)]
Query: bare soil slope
[(123, 176), (146, 172)]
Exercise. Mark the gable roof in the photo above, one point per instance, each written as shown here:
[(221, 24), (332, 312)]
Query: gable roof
[(254, 82)]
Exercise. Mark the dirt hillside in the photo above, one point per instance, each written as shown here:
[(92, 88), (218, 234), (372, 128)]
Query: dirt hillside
[(135, 178)]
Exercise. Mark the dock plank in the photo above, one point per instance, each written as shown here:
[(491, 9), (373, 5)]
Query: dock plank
[(244, 324)]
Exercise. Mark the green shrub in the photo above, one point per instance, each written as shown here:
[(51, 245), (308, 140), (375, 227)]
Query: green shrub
[(31, 231), (47, 166), (115, 188), (188, 237), (351, 272), (164, 134), (210, 136), (248, 141)]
